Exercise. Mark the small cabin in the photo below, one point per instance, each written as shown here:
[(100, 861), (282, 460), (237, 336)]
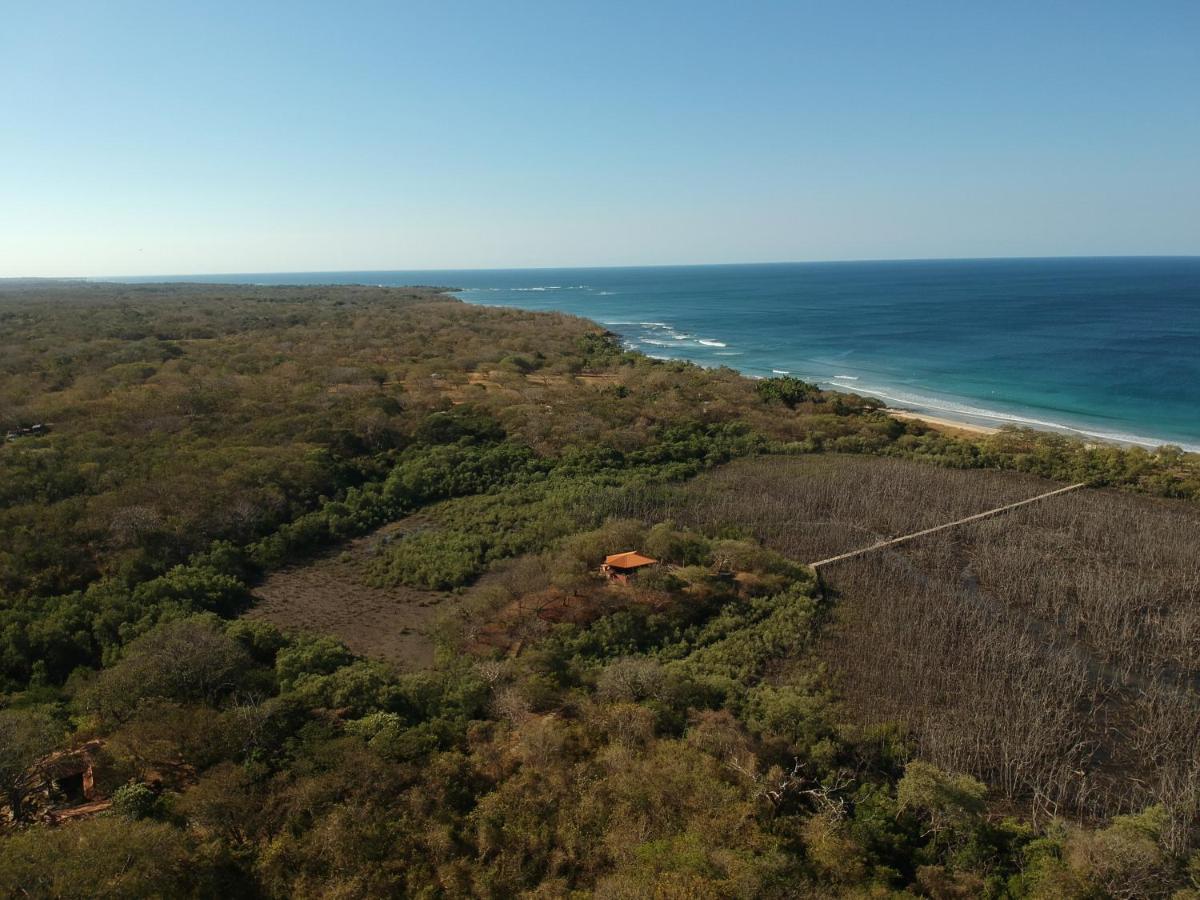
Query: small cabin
[(623, 567), (70, 775)]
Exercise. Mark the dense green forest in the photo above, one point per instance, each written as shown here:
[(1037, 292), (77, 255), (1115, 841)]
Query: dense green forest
[(707, 730)]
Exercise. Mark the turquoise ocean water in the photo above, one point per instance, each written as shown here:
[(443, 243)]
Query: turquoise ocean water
[(1106, 347)]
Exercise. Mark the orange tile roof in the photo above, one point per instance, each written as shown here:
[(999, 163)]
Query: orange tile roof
[(630, 559)]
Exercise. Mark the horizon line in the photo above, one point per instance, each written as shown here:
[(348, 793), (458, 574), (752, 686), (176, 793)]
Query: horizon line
[(781, 262)]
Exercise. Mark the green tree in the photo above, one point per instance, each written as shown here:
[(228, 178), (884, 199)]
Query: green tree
[(787, 390), (25, 737), (188, 660), (942, 802)]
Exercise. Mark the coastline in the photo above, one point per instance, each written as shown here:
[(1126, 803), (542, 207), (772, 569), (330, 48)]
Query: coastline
[(685, 313), (826, 323), (948, 420), (950, 426), (664, 340), (967, 423)]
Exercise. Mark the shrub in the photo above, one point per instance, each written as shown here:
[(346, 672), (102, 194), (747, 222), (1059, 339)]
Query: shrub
[(137, 800), (786, 390)]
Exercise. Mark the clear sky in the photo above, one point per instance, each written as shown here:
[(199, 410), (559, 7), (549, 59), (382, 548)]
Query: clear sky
[(166, 137)]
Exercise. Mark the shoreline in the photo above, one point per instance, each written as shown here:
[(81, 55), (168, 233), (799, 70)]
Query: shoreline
[(577, 291), (938, 423), (907, 408), (948, 422), (968, 421)]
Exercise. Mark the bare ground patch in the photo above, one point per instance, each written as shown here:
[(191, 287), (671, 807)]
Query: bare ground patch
[(328, 596)]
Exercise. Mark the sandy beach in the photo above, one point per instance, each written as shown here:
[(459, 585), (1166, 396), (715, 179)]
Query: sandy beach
[(947, 425)]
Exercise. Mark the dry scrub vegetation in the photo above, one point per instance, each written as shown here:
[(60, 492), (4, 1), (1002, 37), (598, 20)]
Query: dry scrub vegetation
[(811, 507), (721, 728), (1053, 651)]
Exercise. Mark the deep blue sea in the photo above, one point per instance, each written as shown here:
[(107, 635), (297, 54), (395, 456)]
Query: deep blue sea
[(1106, 347)]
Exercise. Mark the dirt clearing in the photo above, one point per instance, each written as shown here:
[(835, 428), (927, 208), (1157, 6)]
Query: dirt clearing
[(328, 596)]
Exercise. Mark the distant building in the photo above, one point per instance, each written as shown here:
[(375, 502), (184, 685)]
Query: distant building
[(62, 786), (621, 567)]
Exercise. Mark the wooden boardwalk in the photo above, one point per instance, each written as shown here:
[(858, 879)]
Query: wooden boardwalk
[(881, 545)]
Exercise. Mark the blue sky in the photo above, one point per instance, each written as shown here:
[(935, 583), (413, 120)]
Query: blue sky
[(170, 137)]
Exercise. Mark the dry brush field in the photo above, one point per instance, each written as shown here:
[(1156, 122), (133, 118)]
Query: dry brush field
[(1053, 651), (811, 507)]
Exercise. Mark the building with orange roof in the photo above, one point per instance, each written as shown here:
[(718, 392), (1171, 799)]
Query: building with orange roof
[(621, 567)]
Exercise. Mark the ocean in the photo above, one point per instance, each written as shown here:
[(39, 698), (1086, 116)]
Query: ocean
[(1105, 348)]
